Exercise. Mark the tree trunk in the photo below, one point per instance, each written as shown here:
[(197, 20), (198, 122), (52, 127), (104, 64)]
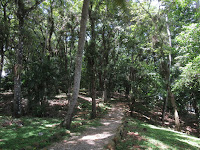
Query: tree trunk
[(128, 87), (4, 40), (105, 65), (22, 12), (93, 115), (197, 9), (72, 41), (105, 94), (91, 62), (2, 61), (19, 56), (168, 82), (131, 105), (17, 75), (196, 108), (78, 66), (176, 116), (197, 5), (51, 26), (165, 108)]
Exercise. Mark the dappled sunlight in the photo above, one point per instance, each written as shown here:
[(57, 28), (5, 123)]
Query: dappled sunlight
[(158, 143), (188, 141), (184, 135), (89, 99), (160, 128), (97, 136), (51, 125), (149, 136), (61, 95), (106, 123), (160, 134)]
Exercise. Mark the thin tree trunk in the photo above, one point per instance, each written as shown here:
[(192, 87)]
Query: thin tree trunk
[(105, 94), (196, 108), (2, 61), (197, 9), (51, 22), (197, 5), (176, 116), (4, 43), (17, 75), (165, 108), (93, 115), (170, 94), (91, 62), (19, 56), (78, 66), (105, 63), (70, 63)]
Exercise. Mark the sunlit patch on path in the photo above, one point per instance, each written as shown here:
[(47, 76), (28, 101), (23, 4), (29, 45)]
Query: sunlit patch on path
[(95, 138)]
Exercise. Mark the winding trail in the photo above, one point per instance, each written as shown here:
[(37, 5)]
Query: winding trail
[(95, 138)]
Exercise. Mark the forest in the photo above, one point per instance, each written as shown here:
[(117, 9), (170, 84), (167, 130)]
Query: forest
[(66, 65)]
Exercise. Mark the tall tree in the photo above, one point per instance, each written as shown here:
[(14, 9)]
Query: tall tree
[(4, 35), (22, 13), (170, 95), (91, 60), (78, 65)]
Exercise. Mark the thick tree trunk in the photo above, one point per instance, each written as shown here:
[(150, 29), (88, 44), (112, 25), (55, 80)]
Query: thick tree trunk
[(78, 66)]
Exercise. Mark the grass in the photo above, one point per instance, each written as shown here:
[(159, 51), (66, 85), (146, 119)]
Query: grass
[(36, 133), (29, 133), (141, 135)]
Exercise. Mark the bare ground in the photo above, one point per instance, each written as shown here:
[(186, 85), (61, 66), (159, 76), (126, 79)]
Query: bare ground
[(95, 138)]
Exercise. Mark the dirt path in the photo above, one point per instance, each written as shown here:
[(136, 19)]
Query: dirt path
[(95, 138)]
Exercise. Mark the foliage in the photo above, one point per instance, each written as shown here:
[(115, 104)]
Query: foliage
[(188, 44), (188, 85)]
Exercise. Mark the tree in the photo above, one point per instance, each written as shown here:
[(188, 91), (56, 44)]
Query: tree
[(91, 53), (4, 38), (22, 13), (170, 95), (78, 66)]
